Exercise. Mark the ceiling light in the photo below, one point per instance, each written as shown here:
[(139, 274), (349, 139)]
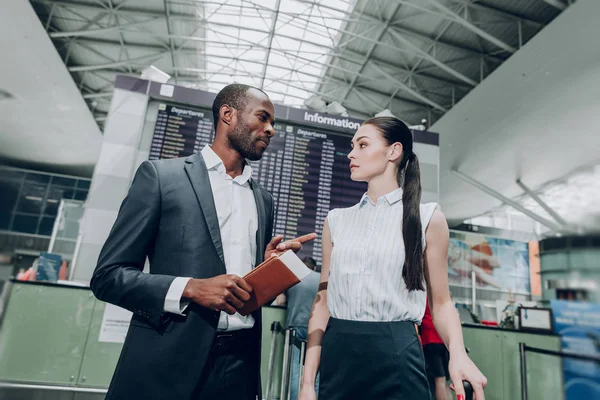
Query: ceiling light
[(385, 113), (152, 73), (315, 103), (336, 108)]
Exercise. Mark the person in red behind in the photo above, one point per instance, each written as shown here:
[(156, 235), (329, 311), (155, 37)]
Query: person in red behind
[(437, 358)]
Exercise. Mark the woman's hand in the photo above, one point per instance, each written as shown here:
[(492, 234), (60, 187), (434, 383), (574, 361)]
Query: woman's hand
[(307, 392), (461, 368)]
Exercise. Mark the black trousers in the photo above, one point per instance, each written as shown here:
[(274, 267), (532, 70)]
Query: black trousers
[(231, 371), (372, 360)]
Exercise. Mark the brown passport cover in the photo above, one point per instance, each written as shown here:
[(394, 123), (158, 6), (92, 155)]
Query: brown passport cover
[(268, 280)]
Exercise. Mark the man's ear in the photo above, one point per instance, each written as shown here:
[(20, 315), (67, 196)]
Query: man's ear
[(227, 114), (395, 151)]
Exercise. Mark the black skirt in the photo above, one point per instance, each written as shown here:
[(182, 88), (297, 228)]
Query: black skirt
[(372, 360)]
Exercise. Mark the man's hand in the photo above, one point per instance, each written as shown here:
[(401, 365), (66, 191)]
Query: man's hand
[(221, 293), (276, 246)]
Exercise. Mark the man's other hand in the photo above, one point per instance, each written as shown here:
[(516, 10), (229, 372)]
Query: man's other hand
[(222, 293)]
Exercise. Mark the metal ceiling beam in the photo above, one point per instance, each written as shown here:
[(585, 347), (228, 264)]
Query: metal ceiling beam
[(450, 46), (49, 19), (291, 54), (356, 108), (326, 7), (179, 16), (434, 60), (169, 31), (194, 19), (173, 16), (367, 98), (242, 60), (338, 81), (470, 26), (401, 29), (413, 50), (542, 204), (411, 91), (491, 10), (92, 32), (382, 32), (551, 225), (559, 5), (431, 47), (376, 21), (287, 54), (255, 75), (123, 63), (270, 45), (124, 49)]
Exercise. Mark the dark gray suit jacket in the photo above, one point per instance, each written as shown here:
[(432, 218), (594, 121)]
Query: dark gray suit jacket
[(168, 216)]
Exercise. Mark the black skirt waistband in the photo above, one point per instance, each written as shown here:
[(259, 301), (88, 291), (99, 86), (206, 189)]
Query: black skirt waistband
[(398, 327)]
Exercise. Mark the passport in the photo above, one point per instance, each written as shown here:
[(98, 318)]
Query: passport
[(273, 277)]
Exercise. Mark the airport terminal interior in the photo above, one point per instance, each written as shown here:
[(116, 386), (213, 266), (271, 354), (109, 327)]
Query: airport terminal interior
[(502, 98)]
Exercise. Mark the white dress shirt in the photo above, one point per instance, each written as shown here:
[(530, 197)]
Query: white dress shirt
[(365, 278), (238, 223)]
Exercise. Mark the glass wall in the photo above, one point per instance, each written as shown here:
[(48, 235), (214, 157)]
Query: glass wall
[(30, 200)]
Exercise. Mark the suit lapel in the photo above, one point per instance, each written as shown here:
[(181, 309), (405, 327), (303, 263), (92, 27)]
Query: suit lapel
[(262, 221), (197, 173)]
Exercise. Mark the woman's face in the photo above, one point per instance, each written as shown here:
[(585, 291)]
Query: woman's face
[(371, 154)]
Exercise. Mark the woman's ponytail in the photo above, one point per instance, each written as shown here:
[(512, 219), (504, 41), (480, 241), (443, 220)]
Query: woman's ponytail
[(412, 233)]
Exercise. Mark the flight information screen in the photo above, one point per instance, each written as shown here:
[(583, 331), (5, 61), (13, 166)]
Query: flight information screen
[(305, 169)]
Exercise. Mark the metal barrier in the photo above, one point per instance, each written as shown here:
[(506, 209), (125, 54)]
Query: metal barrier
[(523, 349), (290, 340)]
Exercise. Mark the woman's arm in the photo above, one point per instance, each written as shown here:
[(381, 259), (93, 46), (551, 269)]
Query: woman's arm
[(445, 317), (319, 316)]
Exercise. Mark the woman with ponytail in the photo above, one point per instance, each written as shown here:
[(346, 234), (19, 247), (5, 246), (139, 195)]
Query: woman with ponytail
[(381, 259)]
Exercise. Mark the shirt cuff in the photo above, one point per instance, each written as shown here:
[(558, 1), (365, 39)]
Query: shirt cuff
[(173, 302)]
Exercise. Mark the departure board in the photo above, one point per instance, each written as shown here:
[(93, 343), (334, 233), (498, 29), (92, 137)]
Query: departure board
[(180, 131), (305, 169)]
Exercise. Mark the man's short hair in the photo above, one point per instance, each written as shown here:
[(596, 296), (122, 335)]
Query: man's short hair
[(234, 95), (311, 263)]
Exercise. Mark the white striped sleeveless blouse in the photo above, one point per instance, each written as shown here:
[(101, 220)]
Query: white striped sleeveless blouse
[(365, 275)]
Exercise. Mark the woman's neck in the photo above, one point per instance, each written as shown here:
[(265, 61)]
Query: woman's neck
[(381, 186)]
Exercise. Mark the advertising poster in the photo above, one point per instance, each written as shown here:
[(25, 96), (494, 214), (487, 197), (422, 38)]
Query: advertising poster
[(115, 324), (578, 324), (499, 264)]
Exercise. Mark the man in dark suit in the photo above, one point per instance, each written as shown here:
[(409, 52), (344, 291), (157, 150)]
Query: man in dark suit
[(203, 222)]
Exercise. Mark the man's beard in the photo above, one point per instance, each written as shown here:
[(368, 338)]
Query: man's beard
[(242, 141)]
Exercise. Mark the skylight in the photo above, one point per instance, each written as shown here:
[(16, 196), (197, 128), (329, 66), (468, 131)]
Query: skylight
[(281, 46)]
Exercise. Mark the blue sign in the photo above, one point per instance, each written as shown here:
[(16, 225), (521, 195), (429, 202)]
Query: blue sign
[(578, 324)]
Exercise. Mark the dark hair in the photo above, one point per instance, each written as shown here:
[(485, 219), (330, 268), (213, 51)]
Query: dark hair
[(234, 95), (409, 177), (311, 263)]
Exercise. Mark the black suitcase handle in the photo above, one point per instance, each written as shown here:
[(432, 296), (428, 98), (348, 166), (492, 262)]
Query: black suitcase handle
[(468, 390)]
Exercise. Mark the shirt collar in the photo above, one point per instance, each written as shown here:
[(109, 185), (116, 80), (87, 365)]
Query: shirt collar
[(391, 198), (214, 162)]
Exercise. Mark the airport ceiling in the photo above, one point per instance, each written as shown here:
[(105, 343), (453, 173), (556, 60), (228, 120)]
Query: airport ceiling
[(502, 81), (416, 58)]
